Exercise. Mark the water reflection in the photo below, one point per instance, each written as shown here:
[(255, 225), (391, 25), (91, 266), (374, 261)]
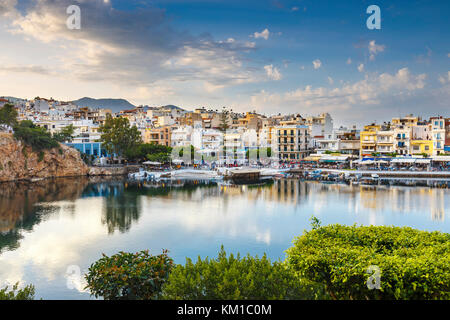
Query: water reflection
[(49, 225)]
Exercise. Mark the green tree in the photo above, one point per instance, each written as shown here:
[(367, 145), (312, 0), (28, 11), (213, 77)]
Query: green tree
[(36, 137), (413, 264), (149, 151), (180, 152), (129, 276), (232, 277), (26, 293), (66, 134), (8, 115), (118, 136), (224, 118)]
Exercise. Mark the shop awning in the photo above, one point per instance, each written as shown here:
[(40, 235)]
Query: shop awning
[(423, 161), (312, 158), (442, 158), (403, 160)]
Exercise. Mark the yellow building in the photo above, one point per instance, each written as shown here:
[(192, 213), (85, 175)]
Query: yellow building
[(368, 139), (409, 121), (421, 147)]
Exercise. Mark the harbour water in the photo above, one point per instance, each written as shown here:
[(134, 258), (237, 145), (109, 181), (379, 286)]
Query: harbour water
[(51, 227)]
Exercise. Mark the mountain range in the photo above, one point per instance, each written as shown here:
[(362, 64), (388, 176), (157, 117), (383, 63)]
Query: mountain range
[(114, 104)]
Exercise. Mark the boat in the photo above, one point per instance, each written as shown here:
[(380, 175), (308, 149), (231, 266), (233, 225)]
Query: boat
[(375, 176)]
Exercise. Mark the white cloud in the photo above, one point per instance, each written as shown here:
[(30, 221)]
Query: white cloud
[(272, 72), (374, 49), (445, 79), (302, 67), (317, 64), (8, 8), (295, 9), (349, 61), (330, 80), (448, 55), (373, 90), (136, 49), (361, 67), (264, 34)]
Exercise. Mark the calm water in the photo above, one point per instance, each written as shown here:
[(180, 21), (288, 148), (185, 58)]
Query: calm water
[(51, 225)]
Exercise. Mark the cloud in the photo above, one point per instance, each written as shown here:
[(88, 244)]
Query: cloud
[(8, 7), (330, 80), (295, 9), (26, 69), (263, 34), (445, 79), (349, 61), (375, 91), (272, 72), (137, 48), (317, 64), (448, 55), (374, 49), (361, 67)]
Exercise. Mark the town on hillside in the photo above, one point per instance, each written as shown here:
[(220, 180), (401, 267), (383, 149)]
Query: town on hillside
[(291, 137)]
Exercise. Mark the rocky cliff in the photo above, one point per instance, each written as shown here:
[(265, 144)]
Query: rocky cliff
[(19, 162)]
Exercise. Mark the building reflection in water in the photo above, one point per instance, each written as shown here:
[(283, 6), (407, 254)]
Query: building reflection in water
[(24, 205), (361, 199), (46, 226)]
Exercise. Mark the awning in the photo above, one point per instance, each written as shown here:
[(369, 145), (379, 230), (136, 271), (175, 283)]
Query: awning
[(312, 158), (367, 162), (334, 158), (152, 163), (423, 161), (442, 158), (403, 160)]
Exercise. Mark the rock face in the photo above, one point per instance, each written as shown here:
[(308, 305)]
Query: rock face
[(19, 162)]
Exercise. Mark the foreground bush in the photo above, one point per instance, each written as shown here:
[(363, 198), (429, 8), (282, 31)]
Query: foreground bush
[(129, 276), (232, 278), (27, 293), (414, 264)]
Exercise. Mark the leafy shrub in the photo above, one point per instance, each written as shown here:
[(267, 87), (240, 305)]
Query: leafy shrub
[(129, 276), (27, 293), (233, 278), (36, 137), (414, 264)]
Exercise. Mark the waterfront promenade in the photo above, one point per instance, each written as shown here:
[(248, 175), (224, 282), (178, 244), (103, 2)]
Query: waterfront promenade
[(385, 173)]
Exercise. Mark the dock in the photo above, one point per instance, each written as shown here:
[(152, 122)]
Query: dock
[(245, 176), (382, 173)]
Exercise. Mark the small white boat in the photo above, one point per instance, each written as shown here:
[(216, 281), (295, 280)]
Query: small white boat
[(375, 176)]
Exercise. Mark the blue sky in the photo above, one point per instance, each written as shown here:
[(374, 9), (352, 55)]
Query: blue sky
[(302, 56)]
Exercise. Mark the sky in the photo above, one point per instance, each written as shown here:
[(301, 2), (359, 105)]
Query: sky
[(269, 56)]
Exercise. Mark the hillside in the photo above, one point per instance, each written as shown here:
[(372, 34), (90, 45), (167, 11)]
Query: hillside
[(115, 105)]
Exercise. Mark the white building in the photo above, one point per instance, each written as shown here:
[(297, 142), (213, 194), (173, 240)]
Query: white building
[(182, 136), (290, 143), (438, 134)]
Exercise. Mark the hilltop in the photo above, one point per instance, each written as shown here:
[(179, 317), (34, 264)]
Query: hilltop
[(115, 105)]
